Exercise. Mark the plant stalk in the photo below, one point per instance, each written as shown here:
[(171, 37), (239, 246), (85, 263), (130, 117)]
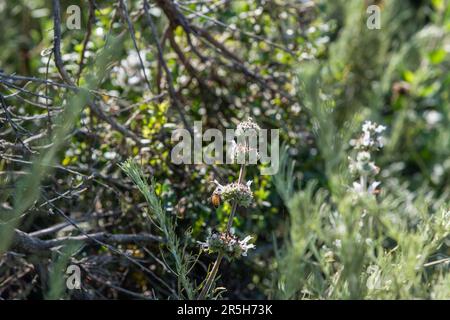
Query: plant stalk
[(233, 209), (212, 274)]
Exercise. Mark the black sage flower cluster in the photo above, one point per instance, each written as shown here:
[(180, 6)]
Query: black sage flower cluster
[(228, 244)]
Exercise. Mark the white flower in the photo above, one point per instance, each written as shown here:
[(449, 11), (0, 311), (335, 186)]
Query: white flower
[(360, 189), (245, 246), (366, 139), (380, 129), (361, 166), (432, 117), (373, 187), (367, 125), (370, 138)]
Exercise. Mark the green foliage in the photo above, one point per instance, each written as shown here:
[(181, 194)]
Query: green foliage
[(166, 224), (394, 245), (57, 280), (384, 248)]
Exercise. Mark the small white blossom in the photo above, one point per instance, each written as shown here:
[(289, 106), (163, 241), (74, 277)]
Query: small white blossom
[(360, 188), (432, 117), (370, 139), (245, 246), (361, 166)]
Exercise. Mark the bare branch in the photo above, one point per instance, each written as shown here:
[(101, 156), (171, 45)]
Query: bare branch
[(24, 242)]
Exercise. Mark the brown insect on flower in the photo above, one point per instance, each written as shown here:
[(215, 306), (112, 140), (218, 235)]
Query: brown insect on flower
[(215, 200)]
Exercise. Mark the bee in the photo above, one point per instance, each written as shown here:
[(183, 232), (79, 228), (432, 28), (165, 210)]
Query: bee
[(215, 199)]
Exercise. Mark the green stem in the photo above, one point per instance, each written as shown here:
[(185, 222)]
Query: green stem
[(233, 209), (210, 278)]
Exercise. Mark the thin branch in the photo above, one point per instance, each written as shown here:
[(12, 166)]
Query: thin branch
[(173, 95), (57, 42), (123, 5), (91, 21), (26, 243), (248, 34), (60, 66)]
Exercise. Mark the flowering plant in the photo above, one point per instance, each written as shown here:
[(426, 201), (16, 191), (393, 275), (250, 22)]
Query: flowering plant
[(361, 165), (226, 243)]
